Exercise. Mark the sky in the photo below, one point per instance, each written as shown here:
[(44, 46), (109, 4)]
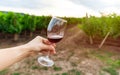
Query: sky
[(68, 8)]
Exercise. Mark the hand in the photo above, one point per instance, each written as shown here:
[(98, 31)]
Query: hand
[(41, 45)]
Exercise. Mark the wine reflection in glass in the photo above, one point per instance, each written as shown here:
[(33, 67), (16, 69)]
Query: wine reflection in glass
[(55, 32)]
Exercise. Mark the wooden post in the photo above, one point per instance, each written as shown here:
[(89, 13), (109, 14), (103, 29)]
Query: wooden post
[(104, 40), (91, 40), (31, 33), (16, 36)]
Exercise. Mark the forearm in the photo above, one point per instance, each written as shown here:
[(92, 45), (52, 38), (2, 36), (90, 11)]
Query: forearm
[(12, 55), (9, 56)]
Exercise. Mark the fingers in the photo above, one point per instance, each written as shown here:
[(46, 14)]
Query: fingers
[(54, 45), (46, 45), (45, 41), (46, 52), (50, 47)]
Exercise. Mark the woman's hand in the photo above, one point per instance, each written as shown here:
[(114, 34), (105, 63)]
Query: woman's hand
[(9, 56), (40, 45)]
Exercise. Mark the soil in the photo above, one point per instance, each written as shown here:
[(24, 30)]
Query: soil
[(73, 53)]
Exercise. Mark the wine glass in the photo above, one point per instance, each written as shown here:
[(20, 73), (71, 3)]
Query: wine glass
[(55, 33)]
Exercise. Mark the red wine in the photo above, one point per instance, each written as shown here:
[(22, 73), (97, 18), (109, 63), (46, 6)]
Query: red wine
[(55, 38)]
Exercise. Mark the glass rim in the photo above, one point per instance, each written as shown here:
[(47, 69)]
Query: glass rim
[(60, 19)]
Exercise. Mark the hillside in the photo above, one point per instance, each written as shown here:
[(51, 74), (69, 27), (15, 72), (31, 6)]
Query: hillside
[(75, 56)]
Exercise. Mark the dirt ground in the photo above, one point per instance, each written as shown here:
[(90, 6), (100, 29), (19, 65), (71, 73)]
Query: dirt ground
[(75, 56)]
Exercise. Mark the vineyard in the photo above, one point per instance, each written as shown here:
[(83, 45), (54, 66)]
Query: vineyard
[(83, 51), (102, 27), (17, 23)]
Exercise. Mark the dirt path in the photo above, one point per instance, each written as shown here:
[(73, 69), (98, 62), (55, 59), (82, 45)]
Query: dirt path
[(74, 55)]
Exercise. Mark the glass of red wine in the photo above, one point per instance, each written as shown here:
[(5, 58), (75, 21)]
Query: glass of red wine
[(55, 33)]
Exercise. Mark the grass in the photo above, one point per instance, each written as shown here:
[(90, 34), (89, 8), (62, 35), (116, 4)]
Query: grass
[(16, 73), (108, 60), (44, 68), (64, 74), (4, 72), (34, 67), (71, 72), (74, 72), (114, 63), (57, 74), (110, 70), (56, 68), (111, 64)]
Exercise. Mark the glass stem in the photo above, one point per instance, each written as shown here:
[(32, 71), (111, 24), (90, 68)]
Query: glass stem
[(48, 54)]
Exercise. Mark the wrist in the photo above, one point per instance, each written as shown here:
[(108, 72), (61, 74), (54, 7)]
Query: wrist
[(24, 49), (30, 50)]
